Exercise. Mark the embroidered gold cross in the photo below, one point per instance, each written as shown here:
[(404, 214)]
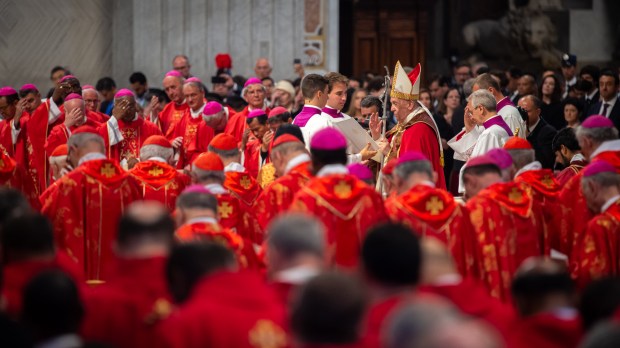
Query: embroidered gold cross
[(108, 171), (434, 205), (547, 181), (515, 196), (225, 210), (1, 163), (156, 171), (266, 334), (342, 190), (245, 182)]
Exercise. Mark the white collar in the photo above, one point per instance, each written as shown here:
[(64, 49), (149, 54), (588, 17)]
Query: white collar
[(234, 167), (448, 279), (572, 81), (312, 106), (529, 167), (427, 183), (591, 95), (577, 157), (295, 161), (198, 113), (611, 102), (63, 341), (532, 127), (91, 157), (201, 219), (296, 275), (609, 203), (216, 189), (332, 169), (158, 159), (610, 145)]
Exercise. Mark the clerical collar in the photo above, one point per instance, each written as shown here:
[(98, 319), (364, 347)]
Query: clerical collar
[(312, 106), (91, 157), (497, 120), (610, 145), (216, 189), (532, 127), (332, 112), (296, 275), (529, 167), (295, 161), (67, 340), (332, 169), (158, 159), (577, 157), (609, 203), (234, 167), (202, 219), (503, 102), (427, 183), (197, 113)]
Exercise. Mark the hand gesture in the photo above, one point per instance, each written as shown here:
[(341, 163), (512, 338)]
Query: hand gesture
[(120, 109), (367, 153), (245, 137), (384, 146), (61, 91), (375, 125), (469, 121), (19, 110), (73, 117), (177, 142), (131, 162), (266, 141), (152, 107)]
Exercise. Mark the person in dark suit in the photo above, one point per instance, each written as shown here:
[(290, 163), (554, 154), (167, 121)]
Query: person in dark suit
[(540, 133), (608, 106), (591, 74)]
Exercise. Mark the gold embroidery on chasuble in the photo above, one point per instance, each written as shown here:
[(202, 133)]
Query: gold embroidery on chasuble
[(129, 145), (515, 196), (434, 206), (245, 182), (342, 190), (108, 170), (267, 334), (547, 181), (225, 210), (156, 171)]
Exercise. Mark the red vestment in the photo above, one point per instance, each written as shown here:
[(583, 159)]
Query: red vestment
[(277, 197), (573, 169), (59, 135), (434, 212), (16, 275), (196, 137), (125, 310), (252, 160), (574, 211), (347, 207), (242, 247), (134, 134), (14, 176), (37, 132), (544, 189), (473, 299), (509, 228), (597, 253), (160, 182), (170, 114), (243, 187), (228, 310), (237, 123), (422, 137), (376, 316), (84, 207), (545, 330)]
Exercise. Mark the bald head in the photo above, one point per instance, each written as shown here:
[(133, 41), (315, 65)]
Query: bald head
[(146, 225), (262, 68), (74, 104)]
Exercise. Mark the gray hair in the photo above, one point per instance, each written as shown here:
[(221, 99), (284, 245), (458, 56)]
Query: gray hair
[(522, 157), (200, 175), (294, 234), (289, 147), (197, 200), (149, 151), (81, 140), (244, 91), (195, 84), (224, 153), (403, 171), (604, 179), (468, 86), (484, 98), (597, 135)]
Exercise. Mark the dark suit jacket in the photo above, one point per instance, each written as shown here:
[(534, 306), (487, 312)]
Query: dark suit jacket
[(588, 103), (541, 139), (614, 116)]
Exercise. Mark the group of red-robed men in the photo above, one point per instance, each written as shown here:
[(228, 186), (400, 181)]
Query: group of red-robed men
[(514, 209)]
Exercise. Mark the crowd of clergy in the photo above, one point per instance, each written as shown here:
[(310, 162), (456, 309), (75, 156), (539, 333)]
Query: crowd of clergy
[(481, 212)]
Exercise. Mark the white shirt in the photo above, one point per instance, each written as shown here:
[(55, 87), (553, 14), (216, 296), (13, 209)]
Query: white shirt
[(158, 159), (318, 122), (610, 106), (296, 275), (512, 117), (532, 127), (295, 161), (197, 113), (202, 219), (591, 95), (609, 203), (63, 341), (115, 135), (216, 189), (234, 167), (91, 157), (529, 167), (577, 157), (610, 145), (332, 169)]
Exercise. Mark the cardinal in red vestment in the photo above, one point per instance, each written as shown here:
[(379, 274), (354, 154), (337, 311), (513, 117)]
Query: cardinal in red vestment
[(254, 94), (508, 224), (540, 184), (197, 219), (416, 129), (191, 135), (159, 180), (125, 311), (125, 131), (597, 252), (13, 176), (599, 141), (219, 307), (293, 168), (346, 206), (431, 211), (85, 204), (256, 151), (173, 111), (568, 154)]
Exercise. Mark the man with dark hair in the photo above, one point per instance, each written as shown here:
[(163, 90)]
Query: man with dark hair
[(608, 106), (314, 90), (501, 213), (124, 311), (107, 88), (390, 262), (12, 203), (141, 88), (369, 106), (568, 154), (219, 307), (13, 140), (438, 88), (513, 74), (27, 248), (31, 95), (540, 133), (328, 311), (590, 73), (599, 301), (544, 296), (346, 206), (45, 297)]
